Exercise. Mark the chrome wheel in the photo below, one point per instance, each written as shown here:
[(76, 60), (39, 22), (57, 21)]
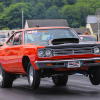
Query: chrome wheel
[(1, 78), (6, 79), (31, 75)]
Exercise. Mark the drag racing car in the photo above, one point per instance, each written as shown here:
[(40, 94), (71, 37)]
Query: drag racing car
[(41, 52)]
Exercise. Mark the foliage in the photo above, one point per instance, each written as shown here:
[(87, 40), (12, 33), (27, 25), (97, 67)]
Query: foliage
[(1, 7), (71, 2), (69, 13), (6, 28), (13, 17), (18, 28), (74, 11), (39, 11), (83, 10), (52, 13), (82, 27), (76, 14)]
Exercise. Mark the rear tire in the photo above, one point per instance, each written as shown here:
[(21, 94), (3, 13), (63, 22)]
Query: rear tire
[(6, 79), (33, 77), (94, 75), (60, 80)]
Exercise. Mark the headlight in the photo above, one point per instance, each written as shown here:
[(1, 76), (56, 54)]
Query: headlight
[(48, 53), (96, 50), (40, 53)]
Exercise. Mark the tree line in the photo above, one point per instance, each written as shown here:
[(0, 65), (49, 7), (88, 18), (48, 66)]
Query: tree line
[(74, 11)]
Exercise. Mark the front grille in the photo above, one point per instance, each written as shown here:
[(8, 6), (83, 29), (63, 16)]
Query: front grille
[(72, 51)]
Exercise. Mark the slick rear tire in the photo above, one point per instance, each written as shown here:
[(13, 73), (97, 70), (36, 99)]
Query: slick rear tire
[(33, 77), (6, 79), (94, 75), (60, 80)]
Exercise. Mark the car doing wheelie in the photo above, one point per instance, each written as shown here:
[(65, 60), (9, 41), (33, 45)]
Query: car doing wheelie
[(48, 52)]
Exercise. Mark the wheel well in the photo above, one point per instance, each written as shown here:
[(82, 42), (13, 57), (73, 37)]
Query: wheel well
[(25, 62)]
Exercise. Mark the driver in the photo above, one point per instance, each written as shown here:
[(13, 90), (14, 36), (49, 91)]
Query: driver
[(36, 37)]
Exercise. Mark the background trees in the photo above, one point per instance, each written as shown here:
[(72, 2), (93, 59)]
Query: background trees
[(53, 13), (75, 11), (39, 11), (1, 7)]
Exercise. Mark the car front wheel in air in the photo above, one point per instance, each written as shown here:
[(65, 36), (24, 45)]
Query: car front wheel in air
[(33, 77)]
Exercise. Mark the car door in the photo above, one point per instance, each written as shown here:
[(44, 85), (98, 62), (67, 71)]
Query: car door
[(14, 45)]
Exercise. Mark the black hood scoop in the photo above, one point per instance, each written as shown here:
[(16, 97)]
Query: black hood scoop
[(64, 41)]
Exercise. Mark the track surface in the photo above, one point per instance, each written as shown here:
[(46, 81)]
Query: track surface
[(77, 88)]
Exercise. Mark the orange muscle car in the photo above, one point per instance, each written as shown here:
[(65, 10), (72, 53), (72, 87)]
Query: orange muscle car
[(48, 52)]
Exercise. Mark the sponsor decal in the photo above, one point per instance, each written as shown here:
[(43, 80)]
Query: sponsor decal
[(30, 32)]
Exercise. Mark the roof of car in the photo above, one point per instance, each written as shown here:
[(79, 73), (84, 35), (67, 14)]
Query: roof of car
[(53, 27)]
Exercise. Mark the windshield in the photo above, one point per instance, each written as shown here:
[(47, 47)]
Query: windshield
[(37, 36), (89, 39)]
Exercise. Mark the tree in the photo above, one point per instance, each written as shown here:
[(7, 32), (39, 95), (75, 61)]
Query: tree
[(76, 14), (59, 3), (69, 13), (6, 28), (83, 10), (95, 5), (13, 16), (53, 13), (29, 11), (75, 11), (39, 11), (71, 2), (50, 3), (1, 7), (6, 2)]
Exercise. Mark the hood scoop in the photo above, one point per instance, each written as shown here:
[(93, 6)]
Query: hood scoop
[(64, 41)]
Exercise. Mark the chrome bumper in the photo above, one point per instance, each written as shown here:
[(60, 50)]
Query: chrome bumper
[(64, 63)]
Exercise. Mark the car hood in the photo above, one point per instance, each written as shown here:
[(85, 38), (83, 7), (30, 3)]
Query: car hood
[(70, 41), (66, 42)]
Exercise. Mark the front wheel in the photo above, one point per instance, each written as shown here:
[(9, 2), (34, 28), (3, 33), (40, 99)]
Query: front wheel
[(60, 80), (94, 75), (6, 79), (33, 77)]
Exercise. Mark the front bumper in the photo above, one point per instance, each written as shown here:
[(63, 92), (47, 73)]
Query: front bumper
[(64, 63)]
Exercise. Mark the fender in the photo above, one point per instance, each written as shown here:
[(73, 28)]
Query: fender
[(31, 53)]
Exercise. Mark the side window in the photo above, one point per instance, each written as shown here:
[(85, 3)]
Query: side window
[(16, 39), (10, 42)]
